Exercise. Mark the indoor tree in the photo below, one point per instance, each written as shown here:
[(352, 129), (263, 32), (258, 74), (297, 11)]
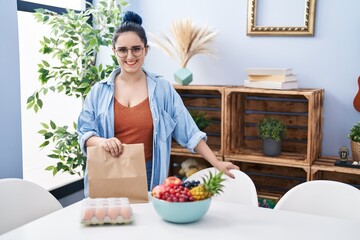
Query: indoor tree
[(75, 40)]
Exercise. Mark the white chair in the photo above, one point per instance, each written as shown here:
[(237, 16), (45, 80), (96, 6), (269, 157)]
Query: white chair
[(22, 201), (323, 197), (239, 190)]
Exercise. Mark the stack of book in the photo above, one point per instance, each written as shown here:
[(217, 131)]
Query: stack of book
[(271, 78)]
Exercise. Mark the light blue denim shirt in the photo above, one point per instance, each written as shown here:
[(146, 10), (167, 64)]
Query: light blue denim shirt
[(170, 117)]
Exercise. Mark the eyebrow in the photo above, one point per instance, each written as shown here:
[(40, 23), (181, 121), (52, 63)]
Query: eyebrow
[(127, 48)]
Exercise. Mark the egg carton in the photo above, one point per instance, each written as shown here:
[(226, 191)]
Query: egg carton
[(98, 211)]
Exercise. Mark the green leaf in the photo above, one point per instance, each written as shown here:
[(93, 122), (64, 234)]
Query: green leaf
[(46, 40), (30, 105), (84, 85), (52, 124), (44, 125), (49, 168), (44, 144), (42, 132), (46, 64), (55, 171), (39, 103), (30, 99), (48, 135)]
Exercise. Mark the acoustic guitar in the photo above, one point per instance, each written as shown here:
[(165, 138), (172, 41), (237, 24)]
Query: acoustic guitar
[(357, 98)]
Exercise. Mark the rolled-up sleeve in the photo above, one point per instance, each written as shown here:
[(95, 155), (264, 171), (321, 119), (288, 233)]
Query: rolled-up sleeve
[(85, 126), (186, 132)]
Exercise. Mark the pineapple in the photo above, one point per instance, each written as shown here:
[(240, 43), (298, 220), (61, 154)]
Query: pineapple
[(212, 185)]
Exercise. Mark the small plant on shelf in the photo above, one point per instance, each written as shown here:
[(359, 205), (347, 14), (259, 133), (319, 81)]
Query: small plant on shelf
[(354, 136), (272, 131), (270, 128), (201, 121)]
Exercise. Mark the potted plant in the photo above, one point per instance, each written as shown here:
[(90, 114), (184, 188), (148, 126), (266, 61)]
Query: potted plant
[(354, 137), (201, 121), (272, 131), (187, 40), (73, 45)]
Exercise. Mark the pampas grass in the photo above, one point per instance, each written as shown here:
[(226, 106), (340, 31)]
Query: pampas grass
[(187, 41)]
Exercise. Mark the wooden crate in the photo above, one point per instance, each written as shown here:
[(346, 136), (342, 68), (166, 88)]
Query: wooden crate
[(273, 180), (324, 169), (208, 100), (300, 110)]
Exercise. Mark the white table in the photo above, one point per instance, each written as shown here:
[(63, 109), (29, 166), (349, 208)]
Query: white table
[(223, 221)]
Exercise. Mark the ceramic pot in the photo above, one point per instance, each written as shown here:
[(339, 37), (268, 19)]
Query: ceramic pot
[(183, 76), (271, 147)]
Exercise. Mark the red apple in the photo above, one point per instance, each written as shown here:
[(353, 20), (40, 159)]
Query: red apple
[(157, 190), (172, 181)]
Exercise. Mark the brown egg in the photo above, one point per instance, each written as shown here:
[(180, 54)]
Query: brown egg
[(113, 212), (125, 212), (88, 213), (100, 213)]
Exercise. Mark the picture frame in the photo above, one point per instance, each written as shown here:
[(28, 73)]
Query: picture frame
[(268, 200), (307, 29)]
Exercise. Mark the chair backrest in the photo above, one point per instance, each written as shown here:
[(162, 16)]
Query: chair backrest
[(239, 190), (323, 197), (22, 201)]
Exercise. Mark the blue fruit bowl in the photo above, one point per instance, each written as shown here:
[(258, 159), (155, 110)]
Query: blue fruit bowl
[(181, 212)]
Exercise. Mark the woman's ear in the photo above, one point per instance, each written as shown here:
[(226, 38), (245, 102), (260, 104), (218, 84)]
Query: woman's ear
[(113, 49), (146, 50)]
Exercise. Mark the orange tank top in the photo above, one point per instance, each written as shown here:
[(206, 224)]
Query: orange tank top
[(134, 125)]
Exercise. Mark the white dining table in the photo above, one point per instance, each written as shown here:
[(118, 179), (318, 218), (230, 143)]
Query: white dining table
[(222, 221)]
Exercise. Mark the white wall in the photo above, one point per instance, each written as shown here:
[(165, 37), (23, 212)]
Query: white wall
[(10, 116), (329, 60)]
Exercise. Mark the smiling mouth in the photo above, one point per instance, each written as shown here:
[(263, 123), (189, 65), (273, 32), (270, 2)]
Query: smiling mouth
[(130, 63)]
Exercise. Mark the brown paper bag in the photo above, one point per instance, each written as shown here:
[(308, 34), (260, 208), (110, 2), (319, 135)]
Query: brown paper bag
[(124, 176)]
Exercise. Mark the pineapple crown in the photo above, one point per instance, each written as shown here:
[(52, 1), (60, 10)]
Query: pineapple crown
[(213, 183)]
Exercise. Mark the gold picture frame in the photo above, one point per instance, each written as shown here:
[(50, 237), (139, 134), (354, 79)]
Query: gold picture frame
[(306, 30)]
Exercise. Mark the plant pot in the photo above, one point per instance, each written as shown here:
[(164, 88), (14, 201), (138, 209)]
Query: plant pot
[(183, 76), (355, 150), (271, 147)]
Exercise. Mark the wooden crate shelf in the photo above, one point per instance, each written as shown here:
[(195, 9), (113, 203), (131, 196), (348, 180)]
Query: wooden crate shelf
[(274, 180), (324, 169), (232, 135), (208, 100), (300, 110)]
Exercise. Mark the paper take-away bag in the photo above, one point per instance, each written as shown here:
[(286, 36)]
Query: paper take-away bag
[(123, 176)]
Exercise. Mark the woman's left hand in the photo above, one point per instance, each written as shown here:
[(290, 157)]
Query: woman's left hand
[(226, 167)]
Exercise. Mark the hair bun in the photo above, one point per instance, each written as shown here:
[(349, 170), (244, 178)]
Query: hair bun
[(132, 17)]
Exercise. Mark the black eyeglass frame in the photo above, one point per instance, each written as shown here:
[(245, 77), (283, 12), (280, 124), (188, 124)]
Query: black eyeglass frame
[(117, 51)]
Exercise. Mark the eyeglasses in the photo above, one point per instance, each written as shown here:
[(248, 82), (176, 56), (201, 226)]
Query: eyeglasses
[(123, 52)]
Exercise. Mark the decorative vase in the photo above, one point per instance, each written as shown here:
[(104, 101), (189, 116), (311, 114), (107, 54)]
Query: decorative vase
[(355, 150), (271, 147), (183, 76)]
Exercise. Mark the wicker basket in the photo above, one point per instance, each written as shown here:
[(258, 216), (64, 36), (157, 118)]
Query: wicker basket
[(355, 150)]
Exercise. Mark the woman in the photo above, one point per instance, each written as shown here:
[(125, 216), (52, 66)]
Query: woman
[(136, 106)]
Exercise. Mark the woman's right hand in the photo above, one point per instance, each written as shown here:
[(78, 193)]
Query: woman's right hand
[(112, 145)]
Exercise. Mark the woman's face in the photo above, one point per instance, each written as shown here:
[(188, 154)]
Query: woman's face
[(130, 52)]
